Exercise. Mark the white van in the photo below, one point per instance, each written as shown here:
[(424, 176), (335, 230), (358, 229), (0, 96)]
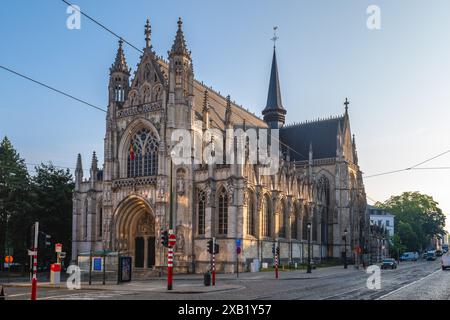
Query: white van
[(409, 256)]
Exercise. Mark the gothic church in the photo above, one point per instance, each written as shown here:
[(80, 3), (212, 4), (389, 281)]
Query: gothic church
[(316, 196)]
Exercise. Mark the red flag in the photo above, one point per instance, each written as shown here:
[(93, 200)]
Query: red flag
[(131, 152)]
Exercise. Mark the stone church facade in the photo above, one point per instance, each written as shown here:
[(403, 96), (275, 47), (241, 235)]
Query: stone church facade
[(124, 206)]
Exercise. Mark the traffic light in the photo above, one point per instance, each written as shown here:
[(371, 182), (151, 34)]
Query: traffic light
[(44, 240), (165, 238), (216, 248), (273, 249), (210, 246), (278, 251)]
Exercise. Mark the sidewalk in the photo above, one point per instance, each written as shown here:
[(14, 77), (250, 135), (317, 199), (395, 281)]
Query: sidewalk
[(193, 283)]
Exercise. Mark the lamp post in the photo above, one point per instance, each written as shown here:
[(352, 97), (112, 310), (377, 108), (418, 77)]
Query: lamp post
[(308, 270), (345, 248)]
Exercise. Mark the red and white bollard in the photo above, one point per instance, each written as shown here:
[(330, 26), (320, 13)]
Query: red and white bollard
[(172, 242), (276, 266), (169, 268), (34, 280), (213, 269)]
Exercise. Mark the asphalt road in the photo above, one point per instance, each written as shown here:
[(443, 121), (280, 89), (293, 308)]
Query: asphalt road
[(411, 280)]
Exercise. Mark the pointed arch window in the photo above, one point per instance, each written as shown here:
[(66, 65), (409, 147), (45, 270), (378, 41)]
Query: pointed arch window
[(223, 212), (251, 214), (266, 217), (201, 209), (282, 221), (294, 222), (143, 154)]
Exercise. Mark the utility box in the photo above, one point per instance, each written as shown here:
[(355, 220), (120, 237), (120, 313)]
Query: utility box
[(55, 273)]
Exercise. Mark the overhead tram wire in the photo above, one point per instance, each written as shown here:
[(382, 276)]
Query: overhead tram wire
[(414, 167), (53, 89)]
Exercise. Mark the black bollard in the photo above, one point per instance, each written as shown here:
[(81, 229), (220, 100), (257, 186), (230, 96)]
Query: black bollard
[(2, 294)]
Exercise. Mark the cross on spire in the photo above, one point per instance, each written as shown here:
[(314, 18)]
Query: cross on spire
[(275, 36), (346, 103)]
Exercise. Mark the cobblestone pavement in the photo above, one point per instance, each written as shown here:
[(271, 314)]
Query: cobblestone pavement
[(412, 280)]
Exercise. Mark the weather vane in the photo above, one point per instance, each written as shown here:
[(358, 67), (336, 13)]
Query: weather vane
[(275, 37)]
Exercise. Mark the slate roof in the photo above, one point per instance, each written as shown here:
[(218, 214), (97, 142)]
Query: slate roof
[(322, 134)]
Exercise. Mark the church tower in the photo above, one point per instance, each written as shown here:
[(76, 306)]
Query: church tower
[(274, 113), (181, 71)]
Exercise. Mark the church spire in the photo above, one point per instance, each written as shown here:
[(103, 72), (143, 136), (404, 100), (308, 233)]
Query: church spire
[(274, 113), (228, 112), (120, 63), (148, 33), (179, 45)]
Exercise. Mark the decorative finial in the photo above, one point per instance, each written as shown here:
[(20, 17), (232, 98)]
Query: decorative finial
[(275, 36), (180, 23), (346, 103), (147, 32), (120, 43)]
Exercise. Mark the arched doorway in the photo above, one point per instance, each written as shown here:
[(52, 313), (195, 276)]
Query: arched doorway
[(135, 231)]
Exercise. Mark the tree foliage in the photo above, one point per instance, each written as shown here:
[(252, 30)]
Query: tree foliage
[(45, 197), (417, 219)]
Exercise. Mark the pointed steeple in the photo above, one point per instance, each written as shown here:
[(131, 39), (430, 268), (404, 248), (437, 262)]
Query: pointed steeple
[(148, 33), (78, 173), (120, 64), (274, 113), (228, 112), (94, 162), (179, 45), (79, 167)]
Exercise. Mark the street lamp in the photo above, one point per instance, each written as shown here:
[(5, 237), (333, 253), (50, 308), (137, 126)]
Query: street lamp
[(345, 248), (308, 270)]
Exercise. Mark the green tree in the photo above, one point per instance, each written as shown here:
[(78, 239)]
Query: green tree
[(417, 218), (52, 206), (14, 202)]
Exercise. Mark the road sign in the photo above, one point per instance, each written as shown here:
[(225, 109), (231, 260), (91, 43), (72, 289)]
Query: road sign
[(32, 253), (238, 242), (9, 259), (62, 255), (238, 250), (58, 248), (172, 240), (97, 263)]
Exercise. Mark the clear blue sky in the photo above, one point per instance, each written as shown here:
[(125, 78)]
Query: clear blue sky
[(397, 78)]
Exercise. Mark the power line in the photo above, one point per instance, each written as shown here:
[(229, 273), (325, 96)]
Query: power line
[(52, 88), (414, 167), (102, 25)]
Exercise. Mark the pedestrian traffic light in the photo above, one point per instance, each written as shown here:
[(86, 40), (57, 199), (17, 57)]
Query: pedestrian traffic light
[(273, 248), (210, 246), (278, 251), (165, 238), (44, 240), (216, 248)]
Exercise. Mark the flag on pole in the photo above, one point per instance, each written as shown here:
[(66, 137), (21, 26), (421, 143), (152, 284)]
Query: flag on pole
[(131, 152)]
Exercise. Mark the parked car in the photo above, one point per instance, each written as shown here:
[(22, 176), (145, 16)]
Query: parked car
[(409, 256), (445, 261), (389, 264), (431, 255), (424, 255), (445, 247), (439, 253)]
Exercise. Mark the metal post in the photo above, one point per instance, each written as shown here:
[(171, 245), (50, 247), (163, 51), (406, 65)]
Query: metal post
[(214, 262), (34, 280), (308, 270), (104, 269), (90, 265)]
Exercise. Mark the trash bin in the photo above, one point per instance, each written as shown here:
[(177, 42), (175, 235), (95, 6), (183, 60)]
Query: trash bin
[(207, 279), (55, 273)]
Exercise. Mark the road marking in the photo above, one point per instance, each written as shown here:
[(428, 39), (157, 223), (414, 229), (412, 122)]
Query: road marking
[(408, 285)]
